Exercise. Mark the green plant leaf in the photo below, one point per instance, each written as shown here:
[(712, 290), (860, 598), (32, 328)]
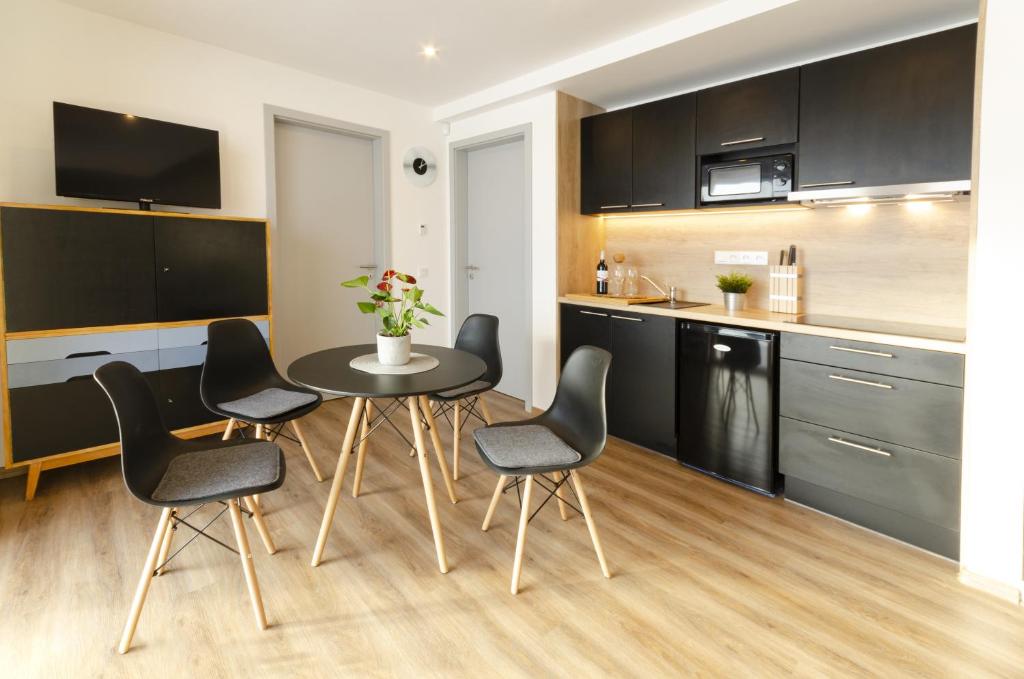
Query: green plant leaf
[(430, 309), (734, 282), (359, 282), (367, 307)]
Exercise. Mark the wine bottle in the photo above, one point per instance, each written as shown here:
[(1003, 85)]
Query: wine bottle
[(602, 276)]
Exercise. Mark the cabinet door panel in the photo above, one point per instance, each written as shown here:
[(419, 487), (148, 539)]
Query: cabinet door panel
[(582, 325), (749, 113), (606, 162), (210, 268), (179, 397), (642, 380), (664, 163), (896, 114), (68, 269)]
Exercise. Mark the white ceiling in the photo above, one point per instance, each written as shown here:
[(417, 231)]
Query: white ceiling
[(610, 52), (376, 45)]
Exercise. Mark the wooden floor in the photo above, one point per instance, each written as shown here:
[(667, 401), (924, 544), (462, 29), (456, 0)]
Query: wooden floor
[(708, 580)]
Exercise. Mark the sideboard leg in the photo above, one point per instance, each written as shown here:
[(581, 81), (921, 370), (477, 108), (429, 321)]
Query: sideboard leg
[(33, 480)]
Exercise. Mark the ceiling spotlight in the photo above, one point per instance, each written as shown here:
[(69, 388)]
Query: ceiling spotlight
[(429, 51)]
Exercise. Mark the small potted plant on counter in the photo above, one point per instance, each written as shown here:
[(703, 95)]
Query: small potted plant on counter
[(734, 286), (399, 303)]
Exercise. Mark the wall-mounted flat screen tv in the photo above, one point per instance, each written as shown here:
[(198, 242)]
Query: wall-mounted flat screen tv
[(118, 156)]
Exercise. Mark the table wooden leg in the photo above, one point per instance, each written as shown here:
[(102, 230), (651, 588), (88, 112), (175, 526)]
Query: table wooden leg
[(456, 438), (428, 488), (435, 439), (339, 476), (364, 431)]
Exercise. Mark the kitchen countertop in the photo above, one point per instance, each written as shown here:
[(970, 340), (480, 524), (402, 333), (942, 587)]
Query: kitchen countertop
[(769, 320)]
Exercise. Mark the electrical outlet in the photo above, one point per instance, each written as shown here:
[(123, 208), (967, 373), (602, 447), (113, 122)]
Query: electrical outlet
[(741, 257)]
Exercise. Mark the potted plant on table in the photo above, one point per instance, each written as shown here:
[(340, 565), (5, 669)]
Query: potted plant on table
[(734, 286), (398, 301)]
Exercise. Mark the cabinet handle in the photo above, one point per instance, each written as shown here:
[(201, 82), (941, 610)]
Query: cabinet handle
[(851, 444), (368, 267), (648, 204), (741, 141), (880, 354), (845, 182), (628, 318), (877, 385), (612, 207), (593, 313), (166, 269)]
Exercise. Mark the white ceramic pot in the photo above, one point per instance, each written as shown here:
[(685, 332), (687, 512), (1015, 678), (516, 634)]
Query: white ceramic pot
[(735, 301), (394, 350)]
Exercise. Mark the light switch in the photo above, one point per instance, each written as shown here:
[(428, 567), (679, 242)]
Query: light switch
[(742, 257)]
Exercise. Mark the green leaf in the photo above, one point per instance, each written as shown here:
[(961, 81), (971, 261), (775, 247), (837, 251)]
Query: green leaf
[(367, 307), (357, 282), (430, 309)]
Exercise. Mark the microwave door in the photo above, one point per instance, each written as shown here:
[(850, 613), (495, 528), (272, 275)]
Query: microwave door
[(736, 182)]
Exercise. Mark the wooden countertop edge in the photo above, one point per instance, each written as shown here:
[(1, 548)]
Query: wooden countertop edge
[(767, 320)]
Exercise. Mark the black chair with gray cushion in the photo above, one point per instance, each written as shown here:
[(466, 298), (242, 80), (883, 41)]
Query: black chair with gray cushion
[(175, 474), (241, 383), (478, 336), (550, 449)]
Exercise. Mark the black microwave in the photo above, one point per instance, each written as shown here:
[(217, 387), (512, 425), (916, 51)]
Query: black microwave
[(764, 179)]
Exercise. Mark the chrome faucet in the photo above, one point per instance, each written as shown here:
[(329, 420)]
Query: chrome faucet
[(671, 294)]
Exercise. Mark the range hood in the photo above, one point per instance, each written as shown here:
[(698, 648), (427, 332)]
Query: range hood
[(834, 195)]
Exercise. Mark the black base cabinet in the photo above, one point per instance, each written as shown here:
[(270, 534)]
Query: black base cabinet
[(641, 391)]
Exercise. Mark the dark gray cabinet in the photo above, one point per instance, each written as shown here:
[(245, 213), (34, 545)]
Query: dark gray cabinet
[(664, 162), (641, 390), (606, 162), (896, 114), (749, 114)]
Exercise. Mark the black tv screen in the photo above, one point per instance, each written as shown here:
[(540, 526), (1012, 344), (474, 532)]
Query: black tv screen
[(118, 156)]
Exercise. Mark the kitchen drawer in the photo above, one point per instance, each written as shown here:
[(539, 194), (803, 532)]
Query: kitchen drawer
[(194, 335), (182, 357), (885, 359), (915, 414), (67, 346), (64, 370), (909, 481)]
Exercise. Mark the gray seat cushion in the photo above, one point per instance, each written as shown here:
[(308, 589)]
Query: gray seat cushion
[(268, 403), (471, 388), (219, 472), (523, 446)]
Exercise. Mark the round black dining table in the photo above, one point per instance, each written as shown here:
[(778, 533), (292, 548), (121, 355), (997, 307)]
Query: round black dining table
[(329, 371)]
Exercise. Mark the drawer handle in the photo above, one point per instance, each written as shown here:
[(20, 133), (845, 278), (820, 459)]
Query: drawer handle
[(648, 204), (851, 444), (741, 141), (628, 318), (593, 313), (88, 354), (878, 385), (612, 207), (880, 354)]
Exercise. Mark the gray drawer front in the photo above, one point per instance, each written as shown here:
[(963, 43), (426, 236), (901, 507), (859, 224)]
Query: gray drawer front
[(54, 348), (194, 335), (915, 414), (885, 359), (909, 481), (53, 372), (182, 357)]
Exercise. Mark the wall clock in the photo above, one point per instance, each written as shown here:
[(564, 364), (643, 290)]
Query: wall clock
[(420, 166)]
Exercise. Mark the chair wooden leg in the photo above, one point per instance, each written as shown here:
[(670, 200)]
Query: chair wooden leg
[(261, 525), (339, 477), (494, 502), (456, 438), (591, 526), (33, 480), (230, 429), (143, 587), (428, 487), (246, 556), (259, 432), (165, 546), (364, 430), (435, 440), (305, 448), (524, 520), (563, 508), (486, 408)]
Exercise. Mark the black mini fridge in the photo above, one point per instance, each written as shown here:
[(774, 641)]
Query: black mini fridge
[(728, 395)]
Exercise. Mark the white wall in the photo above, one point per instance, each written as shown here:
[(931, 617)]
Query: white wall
[(992, 520), (52, 51), (540, 113)]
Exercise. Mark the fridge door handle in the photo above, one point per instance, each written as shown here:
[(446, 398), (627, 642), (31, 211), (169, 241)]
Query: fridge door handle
[(721, 347)]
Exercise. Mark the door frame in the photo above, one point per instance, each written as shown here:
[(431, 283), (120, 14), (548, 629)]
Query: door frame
[(458, 156), (381, 141)]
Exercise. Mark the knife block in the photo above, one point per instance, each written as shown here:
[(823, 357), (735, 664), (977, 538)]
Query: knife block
[(784, 294)]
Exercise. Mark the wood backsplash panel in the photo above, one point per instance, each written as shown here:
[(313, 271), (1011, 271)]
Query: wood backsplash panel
[(890, 262), (579, 236)]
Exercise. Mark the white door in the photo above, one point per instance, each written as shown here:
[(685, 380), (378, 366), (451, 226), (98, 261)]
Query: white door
[(325, 234), (496, 275)]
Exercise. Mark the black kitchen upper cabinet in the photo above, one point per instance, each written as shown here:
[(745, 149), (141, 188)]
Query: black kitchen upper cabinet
[(664, 162), (72, 269), (749, 113), (210, 268), (900, 113), (641, 389), (606, 162)]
